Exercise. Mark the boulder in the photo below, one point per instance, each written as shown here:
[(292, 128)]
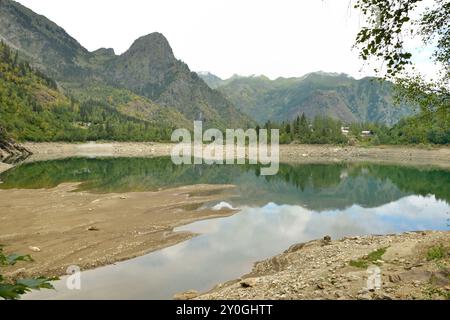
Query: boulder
[(10, 151)]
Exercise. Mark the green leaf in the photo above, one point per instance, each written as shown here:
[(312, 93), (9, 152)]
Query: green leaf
[(37, 283), (12, 259), (11, 291)]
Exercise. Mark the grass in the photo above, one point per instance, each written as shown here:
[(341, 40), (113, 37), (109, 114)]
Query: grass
[(431, 292), (370, 259), (436, 253)]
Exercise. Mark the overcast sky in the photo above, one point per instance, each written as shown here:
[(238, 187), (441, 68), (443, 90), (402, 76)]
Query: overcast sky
[(271, 37)]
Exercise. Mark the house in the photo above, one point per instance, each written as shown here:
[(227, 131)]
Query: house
[(366, 133), (345, 130)]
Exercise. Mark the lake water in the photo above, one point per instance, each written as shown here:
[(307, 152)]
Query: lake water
[(301, 203)]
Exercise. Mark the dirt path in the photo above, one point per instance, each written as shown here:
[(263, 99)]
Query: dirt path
[(59, 227), (413, 265)]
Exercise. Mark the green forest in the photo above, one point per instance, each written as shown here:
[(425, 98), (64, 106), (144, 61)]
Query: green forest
[(33, 108), (424, 128)]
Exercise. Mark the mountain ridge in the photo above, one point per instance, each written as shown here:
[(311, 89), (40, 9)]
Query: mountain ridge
[(148, 68), (339, 95)]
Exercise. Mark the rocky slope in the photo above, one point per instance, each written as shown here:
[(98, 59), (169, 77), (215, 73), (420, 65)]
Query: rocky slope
[(10, 151), (320, 93), (149, 69), (413, 265)]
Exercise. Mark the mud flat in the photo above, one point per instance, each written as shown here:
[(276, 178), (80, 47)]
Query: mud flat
[(413, 265), (61, 227)]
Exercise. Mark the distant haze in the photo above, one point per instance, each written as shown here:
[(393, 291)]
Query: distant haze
[(275, 38)]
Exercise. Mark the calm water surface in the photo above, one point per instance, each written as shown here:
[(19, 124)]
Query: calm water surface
[(301, 203)]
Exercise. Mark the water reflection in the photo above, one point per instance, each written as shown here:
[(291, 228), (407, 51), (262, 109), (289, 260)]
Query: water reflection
[(300, 203), (315, 186), (228, 247)]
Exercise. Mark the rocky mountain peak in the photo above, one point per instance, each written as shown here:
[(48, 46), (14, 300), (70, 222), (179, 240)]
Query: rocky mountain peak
[(105, 51), (153, 44)]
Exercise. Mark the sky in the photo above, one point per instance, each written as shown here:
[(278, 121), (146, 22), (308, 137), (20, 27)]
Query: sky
[(277, 38)]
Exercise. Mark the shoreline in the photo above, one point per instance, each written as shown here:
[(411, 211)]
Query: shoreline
[(61, 227), (339, 269), (293, 153)]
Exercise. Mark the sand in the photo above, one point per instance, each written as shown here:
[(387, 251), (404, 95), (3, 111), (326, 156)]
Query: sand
[(59, 227)]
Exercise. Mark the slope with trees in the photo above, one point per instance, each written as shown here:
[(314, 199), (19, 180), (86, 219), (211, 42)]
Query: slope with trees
[(384, 40)]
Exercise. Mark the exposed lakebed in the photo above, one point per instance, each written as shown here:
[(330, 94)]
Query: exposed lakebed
[(301, 203)]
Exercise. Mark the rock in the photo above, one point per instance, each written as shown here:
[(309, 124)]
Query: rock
[(10, 151), (123, 198), (295, 247), (320, 286), (383, 296), (440, 279), (91, 228), (248, 283), (365, 296), (416, 283), (408, 268), (394, 278), (187, 295), (326, 240), (363, 291), (34, 249)]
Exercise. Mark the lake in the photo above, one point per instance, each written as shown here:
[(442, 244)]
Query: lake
[(301, 203)]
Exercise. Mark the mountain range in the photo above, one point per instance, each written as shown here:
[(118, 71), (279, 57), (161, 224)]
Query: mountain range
[(145, 81), (337, 95), (57, 89)]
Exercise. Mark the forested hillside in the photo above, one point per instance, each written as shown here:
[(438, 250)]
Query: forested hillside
[(33, 108), (148, 72)]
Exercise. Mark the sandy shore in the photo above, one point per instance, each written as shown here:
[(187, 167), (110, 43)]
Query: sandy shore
[(58, 150), (288, 153), (322, 269), (59, 227)]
